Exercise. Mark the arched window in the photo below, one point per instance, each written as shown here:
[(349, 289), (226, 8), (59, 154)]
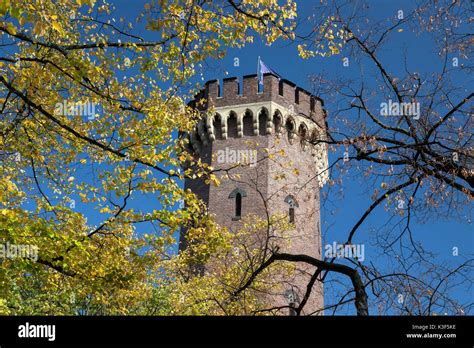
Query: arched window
[(292, 204), (290, 128), (237, 194), (232, 125), (248, 123), (217, 126), (262, 122), (277, 121)]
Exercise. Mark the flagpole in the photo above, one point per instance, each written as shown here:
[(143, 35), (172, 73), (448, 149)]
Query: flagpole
[(258, 65), (259, 71)]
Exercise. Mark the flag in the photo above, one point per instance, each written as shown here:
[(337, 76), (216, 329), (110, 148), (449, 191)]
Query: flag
[(263, 69)]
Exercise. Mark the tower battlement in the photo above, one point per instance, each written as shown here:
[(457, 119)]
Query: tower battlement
[(284, 92)]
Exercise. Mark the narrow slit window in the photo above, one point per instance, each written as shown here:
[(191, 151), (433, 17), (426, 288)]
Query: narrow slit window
[(292, 215), (238, 205), (237, 195), (292, 204)]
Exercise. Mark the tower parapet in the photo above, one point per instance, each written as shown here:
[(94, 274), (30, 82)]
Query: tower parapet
[(281, 91), (281, 109)]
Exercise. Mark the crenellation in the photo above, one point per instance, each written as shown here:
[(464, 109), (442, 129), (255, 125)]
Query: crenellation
[(284, 92), (304, 99), (250, 87), (288, 91), (212, 90), (231, 87)]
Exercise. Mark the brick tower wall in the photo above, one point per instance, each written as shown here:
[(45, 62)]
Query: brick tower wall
[(296, 159)]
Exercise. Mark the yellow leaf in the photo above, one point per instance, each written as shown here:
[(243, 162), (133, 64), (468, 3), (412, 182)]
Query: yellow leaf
[(11, 28), (57, 27)]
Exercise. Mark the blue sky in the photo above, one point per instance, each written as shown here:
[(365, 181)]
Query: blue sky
[(338, 217)]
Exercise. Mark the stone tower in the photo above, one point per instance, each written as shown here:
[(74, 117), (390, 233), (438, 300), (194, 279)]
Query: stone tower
[(247, 125)]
